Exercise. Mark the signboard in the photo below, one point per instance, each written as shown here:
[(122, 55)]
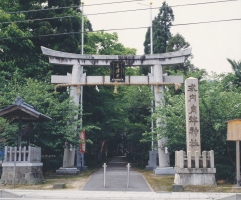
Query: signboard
[(82, 137), (234, 130), (117, 71)]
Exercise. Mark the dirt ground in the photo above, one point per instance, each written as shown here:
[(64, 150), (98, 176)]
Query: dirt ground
[(73, 182)]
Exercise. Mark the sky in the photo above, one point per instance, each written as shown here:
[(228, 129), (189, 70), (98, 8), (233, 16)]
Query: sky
[(211, 43)]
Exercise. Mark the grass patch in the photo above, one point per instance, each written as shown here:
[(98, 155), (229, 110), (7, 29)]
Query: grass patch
[(161, 183)]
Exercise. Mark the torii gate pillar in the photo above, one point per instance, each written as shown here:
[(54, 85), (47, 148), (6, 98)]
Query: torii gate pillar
[(157, 79), (77, 73), (164, 158)]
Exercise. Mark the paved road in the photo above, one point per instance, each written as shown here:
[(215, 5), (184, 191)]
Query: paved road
[(116, 178), (111, 195)]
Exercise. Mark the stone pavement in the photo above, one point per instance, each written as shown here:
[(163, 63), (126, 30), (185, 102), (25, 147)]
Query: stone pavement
[(111, 195), (116, 178)]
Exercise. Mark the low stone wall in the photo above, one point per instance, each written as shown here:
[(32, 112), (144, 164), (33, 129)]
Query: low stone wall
[(194, 170), (23, 174), (22, 165), (201, 176)]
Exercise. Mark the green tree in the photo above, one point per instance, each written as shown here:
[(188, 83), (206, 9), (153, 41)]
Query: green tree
[(236, 67), (106, 44), (161, 30), (26, 72), (219, 102), (50, 136), (23, 33)]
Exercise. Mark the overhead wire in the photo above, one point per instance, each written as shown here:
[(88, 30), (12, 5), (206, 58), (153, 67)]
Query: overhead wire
[(113, 12), (62, 17), (153, 8), (42, 19), (66, 7), (120, 29)]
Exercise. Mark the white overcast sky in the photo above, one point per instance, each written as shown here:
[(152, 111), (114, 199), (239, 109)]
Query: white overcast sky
[(211, 43)]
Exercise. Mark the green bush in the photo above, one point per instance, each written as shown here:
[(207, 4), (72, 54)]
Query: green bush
[(225, 172), (51, 163)]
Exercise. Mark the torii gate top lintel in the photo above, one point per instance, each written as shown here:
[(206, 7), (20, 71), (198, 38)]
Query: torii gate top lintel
[(156, 78), (63, 58)]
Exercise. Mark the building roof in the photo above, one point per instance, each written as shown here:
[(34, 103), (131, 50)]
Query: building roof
[(23, 111)]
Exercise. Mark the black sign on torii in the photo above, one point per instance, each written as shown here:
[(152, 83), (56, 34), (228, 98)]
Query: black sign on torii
[(117, 71), (77, 78)]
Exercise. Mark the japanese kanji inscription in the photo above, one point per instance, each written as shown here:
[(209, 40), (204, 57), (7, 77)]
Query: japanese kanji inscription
[(192, 115)]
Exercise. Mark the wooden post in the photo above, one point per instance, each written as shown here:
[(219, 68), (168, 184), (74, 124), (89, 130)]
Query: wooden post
[(238, 163)]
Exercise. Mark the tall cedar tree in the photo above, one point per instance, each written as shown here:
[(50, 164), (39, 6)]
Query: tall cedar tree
[(161, 30)]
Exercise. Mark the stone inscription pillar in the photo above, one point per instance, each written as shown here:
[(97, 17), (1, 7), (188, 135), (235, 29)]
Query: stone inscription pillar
[(164, 160), (68, 159), (192, 116)]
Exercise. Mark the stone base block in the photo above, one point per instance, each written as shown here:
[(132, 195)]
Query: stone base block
[(164, 171), (152, 160), (59, 185), (177, 188), (67, 171), (23, 174), (195, 176)]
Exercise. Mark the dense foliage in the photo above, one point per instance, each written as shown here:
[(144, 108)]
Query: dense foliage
[(219, 99), (25, 72), (115, 120)]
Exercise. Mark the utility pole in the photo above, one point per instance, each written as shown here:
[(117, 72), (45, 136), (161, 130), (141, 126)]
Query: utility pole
[(151, 39), (82, 52), (80, 154), (152, 153), (82, 30), (151, 52)]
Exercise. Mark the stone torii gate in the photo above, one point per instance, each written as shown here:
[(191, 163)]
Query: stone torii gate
[(157, 79)]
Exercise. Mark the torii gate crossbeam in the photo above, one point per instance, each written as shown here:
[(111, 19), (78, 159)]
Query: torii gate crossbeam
[(157, 79)]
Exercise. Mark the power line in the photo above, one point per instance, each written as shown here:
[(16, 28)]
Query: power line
[(50, 18), (208, 22), (154, 8), (57, 8), (201, 3), (121, 29), (100, 4), (134, 10)]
